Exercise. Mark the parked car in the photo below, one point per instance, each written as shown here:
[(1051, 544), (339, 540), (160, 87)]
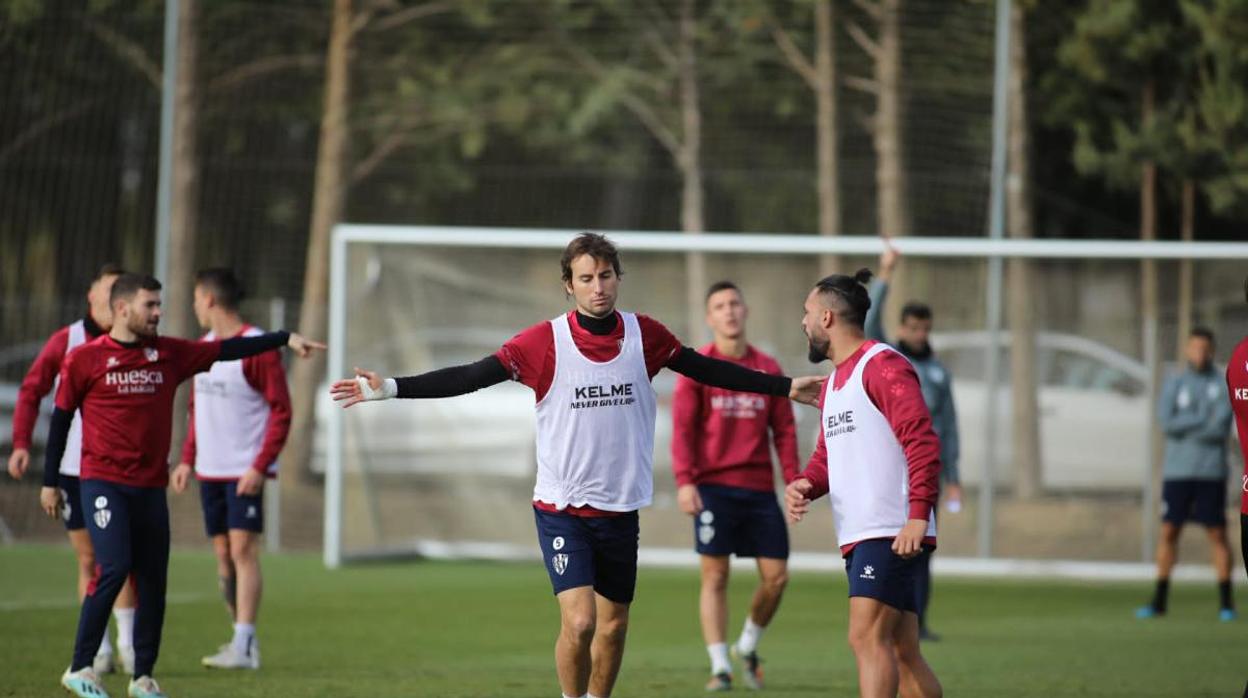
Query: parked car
[(1094, 410)]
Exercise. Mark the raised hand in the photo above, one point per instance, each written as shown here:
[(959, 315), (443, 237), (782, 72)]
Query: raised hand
[(888, 259)]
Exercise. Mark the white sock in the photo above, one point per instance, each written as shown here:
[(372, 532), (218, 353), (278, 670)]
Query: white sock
[(125, 627), (106, 647), (568, 696), (244, 635), (719, 658), (750, 635), (590, 695)]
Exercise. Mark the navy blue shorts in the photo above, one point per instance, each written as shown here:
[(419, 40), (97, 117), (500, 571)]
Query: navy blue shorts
[(599, 551), (71, 502), (876, 572), (738, 521), (224, 509), (1201, 501)]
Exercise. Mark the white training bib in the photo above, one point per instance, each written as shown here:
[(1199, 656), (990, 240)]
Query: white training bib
[(231, 418), (71, 459), (868, 476), (595, 427)]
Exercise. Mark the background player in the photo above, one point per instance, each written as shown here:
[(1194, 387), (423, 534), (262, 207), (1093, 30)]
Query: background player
[(124, 384), (62, 482), (1195, 416), (590, 370), (239, 419), (912, 341), (879, 462), (721, 459)]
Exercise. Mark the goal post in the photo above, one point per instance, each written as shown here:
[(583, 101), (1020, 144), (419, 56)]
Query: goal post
[(452, 479)]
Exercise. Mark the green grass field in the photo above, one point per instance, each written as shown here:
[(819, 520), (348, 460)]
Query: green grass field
[(480, 629)]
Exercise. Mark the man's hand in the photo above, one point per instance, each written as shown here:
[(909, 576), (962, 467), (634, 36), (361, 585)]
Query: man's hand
[(953, 498), (795, 501), (181, 474), (366, 385), (806, 390), (909, 542), (19, 461), (251, 483), (688, 499), (303, 346), (888, 260), (50, 501)]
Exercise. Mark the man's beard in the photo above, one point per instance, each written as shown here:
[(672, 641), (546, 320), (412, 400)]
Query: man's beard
[(143, 330), (817, 352)]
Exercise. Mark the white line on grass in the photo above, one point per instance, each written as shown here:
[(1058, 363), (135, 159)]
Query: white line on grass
[(50, 604)]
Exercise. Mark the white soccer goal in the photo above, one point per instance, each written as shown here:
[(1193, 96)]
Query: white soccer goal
[(454, 477)]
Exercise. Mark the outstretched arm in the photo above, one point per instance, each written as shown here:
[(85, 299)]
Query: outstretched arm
[(730, 376), (444, 382), (243, 347)]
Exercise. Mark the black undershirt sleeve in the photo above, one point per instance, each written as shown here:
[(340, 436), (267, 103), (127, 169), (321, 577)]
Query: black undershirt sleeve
[(727, 375), (58, 434), (243, 347), (456, 380)]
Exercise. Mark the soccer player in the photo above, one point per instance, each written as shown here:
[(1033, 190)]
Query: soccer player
[(1237, 388), (124, 384), (1195, 416), (879, 463), (239, 418), (721, 458), (590, 370), (937, 384), (63, 481)]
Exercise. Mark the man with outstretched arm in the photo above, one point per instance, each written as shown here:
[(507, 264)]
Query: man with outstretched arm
[(878, 461), (590, 370), (62, 483), (124, 383)]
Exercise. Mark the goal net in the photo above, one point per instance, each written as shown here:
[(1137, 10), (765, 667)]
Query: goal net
[(455, 476)]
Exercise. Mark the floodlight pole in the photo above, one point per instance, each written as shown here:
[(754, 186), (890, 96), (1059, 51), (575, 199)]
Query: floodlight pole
[(164, 191), (996, 231)]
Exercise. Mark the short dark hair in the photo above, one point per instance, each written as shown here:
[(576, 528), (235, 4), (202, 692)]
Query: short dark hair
[(593, 244), (129, 283), (1203, 332), (849, 294), (108, 269), (222, 284), (718, 286), (916, 310)]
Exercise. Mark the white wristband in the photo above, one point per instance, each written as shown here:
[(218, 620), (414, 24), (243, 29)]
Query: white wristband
[(389, 388)]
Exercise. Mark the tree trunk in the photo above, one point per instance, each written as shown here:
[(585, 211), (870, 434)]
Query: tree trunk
[(1148, 278), (826, 132), (1186, 271), (690, 165), (328, 200), (892, 207), (177, 317), (1020, 287)]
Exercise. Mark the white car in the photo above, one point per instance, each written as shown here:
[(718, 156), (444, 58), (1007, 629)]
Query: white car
[(1093, 402)]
